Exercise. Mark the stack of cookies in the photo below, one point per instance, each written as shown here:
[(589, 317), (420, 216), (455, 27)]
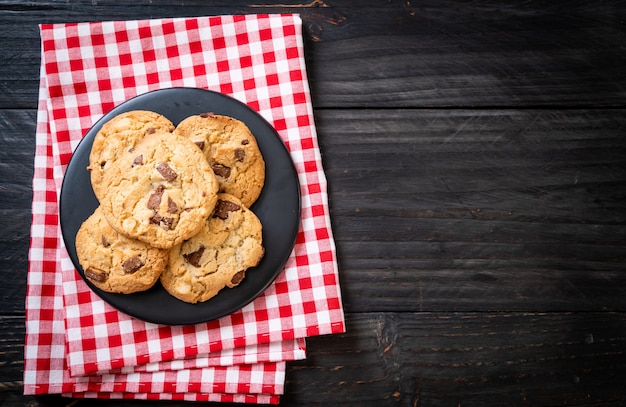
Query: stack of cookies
[(174, 205)]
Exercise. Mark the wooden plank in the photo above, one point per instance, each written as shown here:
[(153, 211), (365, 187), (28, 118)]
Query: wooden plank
[(12, 333), (393, 54), (464, 232), (442, 359), (465, 359), (474, 209), (17, 138), (509, 210)]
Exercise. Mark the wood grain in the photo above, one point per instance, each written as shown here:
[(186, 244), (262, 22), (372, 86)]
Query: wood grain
[(11, 352), (471, 359), (469, 210), (476, 167), (392, 54), (438, 359), (17, 138)]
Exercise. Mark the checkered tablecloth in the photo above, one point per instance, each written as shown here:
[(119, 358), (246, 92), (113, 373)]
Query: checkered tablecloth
[(77, 344)]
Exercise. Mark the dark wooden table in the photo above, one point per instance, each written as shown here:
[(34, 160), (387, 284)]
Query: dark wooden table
[(476, 160)]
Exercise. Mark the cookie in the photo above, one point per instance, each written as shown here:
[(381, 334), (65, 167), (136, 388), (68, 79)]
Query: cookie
[(218, 256), (232, 152), (161, 192), (115, 263), (117, 136)]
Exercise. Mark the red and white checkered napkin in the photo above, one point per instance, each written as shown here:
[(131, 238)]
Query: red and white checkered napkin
[(78, 345)]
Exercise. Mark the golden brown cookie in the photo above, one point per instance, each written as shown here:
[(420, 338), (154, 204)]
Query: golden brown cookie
[(161, 192), (117, 136), (232, 151), (115, 263), (218, 256)]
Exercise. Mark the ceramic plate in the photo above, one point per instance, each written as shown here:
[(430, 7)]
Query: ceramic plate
[(278, 208)]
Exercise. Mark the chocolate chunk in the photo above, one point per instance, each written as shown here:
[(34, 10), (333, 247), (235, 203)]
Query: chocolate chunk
[(167, 223), (171, 206), (130, 150), (194, 258), (200, 144), (156, 219), (223, 207), (207, 114), (95, 274), (164, 222), (245, 142), (150, 130), (155, 199), (138, 160), (104, 241), (238, 277), (102, 164), (132, 265), (221, 170), (166, 172), (240, 154)]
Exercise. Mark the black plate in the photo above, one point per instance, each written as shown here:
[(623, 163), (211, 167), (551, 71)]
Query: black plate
[(278, 207)]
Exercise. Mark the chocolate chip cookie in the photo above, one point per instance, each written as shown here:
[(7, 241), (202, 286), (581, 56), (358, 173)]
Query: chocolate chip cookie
[(117, 136), (218, 256), (232, 152), (115, 263), (161, 191)]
